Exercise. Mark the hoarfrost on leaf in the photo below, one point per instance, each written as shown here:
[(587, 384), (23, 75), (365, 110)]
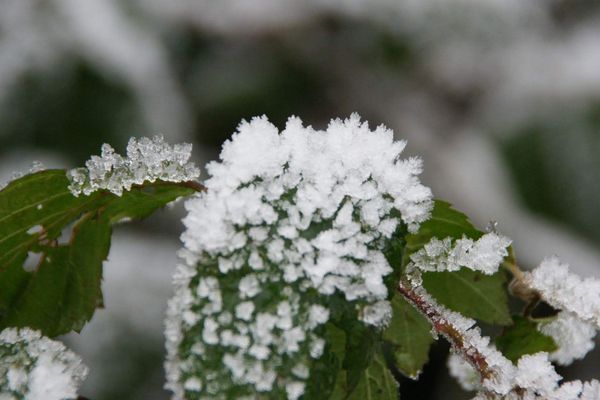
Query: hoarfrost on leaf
[(288, 221), (483, 255), (147, 160), (36, 368)]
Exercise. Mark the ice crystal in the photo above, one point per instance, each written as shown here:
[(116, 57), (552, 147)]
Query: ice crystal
[(574, 337), (147, 160), (34, 367), (483, 255), (567, 291), (289, 221)]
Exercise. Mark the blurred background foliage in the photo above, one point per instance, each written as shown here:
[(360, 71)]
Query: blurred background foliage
[(500, 97)]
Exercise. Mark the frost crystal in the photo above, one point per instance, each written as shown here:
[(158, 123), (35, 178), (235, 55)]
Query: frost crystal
[(291, 223), (147, 160), (574, 338), (34, 367), (483, 255), (567, 291)]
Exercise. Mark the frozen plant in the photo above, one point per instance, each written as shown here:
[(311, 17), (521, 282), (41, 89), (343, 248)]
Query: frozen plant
[(34, 367), (314, 263), (289, 222)]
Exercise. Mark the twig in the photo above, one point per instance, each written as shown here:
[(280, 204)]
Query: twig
[(446, 329)]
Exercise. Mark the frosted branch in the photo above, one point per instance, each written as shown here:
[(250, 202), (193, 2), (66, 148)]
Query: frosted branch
[(482, 367)]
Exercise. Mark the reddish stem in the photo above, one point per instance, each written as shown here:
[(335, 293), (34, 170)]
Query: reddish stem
[(446, 329)]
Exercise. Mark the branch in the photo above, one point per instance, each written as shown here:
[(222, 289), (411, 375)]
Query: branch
[(442, 326)]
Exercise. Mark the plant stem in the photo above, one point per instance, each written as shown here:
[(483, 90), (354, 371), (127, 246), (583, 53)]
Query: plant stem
[(446, 329)]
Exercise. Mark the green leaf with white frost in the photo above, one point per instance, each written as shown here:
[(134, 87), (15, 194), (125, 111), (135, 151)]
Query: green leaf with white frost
[(523, 337), (61, 292), (471, 293), (445, 222), (409, 335)]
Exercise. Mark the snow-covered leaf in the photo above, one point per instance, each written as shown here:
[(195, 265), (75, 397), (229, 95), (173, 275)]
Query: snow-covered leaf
[(472, 293)]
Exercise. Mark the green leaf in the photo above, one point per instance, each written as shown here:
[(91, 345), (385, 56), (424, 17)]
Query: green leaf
[(409, 335), (62, 294), (376, 382), (361, 342), (141, 202), (63, 290), (36, 200), (471, 293), (364, 373), (323, 374), (522, 338)]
